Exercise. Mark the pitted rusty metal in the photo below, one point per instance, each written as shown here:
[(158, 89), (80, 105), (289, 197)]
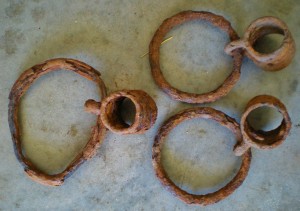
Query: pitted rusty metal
[(109, 111), (176, 94), (206, 113), (263, 139), (274, 61), (246, 135), (18, 90)]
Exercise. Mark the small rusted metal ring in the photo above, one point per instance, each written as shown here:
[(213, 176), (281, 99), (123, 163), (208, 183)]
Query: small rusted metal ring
[(109, 111), (158, 76), (263, 139), (206, 113), (18, 90), (274, 61)]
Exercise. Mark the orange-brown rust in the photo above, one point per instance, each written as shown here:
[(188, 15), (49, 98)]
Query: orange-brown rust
[(26, 79), (274, 61), (157, 74), (263, 139), (93, 107), (206, 113), (109, 111)]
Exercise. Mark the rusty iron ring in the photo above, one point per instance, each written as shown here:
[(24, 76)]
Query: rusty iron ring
[(206, 113), (158, 76), (263, 139), (18, 90), (261, 27), (109, 111)]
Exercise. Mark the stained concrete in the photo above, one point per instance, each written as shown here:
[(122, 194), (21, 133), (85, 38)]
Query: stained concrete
[(111, 36)]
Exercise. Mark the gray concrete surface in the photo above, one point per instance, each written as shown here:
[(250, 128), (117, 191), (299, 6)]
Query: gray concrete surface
[(111, 36)]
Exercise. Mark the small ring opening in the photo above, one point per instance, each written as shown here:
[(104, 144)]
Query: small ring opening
[(267, 39), (121, 112), (264, 125), (128, 111), (264, 118)]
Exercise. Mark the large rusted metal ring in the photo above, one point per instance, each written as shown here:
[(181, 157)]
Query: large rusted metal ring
[(206, 113), (18, 90), (109, 111), (263, 139), (158, 76), (274, 61)]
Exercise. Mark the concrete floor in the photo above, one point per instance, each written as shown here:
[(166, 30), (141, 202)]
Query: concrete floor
[(111, 36)]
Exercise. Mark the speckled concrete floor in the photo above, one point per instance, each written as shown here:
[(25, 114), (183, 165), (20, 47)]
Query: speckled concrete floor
[(111, 36)]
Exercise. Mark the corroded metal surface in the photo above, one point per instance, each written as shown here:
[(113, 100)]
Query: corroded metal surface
[(273, 61), (18, 90), (263, 139), (206, 113), (109, 111), (154, 54)]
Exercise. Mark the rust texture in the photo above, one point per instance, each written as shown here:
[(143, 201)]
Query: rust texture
[(158, 76), (263, 139), (109, 111), (274, 61), (18, 90), (206, 113)]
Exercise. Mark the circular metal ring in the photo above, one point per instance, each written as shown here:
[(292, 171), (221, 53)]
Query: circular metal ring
[(18, 90), (274, 61), (145, 112), (158, 76), (206, 113), (263, 139)]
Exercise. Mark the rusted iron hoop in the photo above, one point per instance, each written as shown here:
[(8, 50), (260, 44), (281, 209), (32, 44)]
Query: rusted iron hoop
[(263, 139), (18, 90), (158, 76), (206, 113), (273, 61), (145, 115)]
